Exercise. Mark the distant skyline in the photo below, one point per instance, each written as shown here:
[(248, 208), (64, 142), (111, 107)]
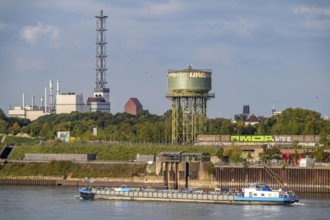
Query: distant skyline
[(262, 53)]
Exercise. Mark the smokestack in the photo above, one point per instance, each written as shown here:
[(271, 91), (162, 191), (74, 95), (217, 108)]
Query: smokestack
[(33, 99), (45, 99), (50, 95), (41, 103), (23, 97), (58, 87)]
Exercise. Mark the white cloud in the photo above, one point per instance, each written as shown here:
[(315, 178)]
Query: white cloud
[(314, 17), (312, 11), (31, 34)]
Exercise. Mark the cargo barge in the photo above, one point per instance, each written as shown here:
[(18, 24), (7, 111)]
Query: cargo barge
[(188, 196)]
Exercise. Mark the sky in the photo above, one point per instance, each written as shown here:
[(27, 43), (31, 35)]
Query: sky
[(262, 53)]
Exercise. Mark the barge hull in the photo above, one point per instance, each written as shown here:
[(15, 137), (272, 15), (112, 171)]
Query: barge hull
[(181, 197)]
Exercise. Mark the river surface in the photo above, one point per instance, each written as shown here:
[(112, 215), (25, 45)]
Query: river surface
[(29, 202)]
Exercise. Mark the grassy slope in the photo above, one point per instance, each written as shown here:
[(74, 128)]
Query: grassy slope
[(104, 152), (59, 168), (108, 152)]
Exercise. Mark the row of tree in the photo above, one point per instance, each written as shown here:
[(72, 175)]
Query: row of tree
[(151, 128)]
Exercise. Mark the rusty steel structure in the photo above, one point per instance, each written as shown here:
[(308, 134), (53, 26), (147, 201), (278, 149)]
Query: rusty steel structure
[(315, 180), (188, 89)]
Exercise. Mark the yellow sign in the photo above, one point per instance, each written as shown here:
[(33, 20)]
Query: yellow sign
[(252, 138)]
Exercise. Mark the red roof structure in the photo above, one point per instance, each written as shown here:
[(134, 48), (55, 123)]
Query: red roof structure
[(133, 106)]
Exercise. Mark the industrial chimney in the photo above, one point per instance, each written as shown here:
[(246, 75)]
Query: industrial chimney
[(58, 87), (50, 95), (23, 97), (33, 99), (41, 103), (45, 99)]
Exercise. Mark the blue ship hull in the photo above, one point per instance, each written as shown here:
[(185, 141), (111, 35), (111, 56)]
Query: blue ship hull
[(267, 200)]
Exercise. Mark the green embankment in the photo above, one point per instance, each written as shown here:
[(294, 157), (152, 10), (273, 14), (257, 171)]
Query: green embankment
[(60, 168), (106, 152), (12, 140), (103, 152)]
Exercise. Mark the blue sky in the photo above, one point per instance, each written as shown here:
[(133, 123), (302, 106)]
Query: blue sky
[(262, 52)]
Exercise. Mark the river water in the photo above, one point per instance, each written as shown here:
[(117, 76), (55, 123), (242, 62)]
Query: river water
[(28, 202)]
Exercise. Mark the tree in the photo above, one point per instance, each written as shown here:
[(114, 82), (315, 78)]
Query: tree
[(324, 139), (297, 122), (3, 127), (319, 155), (239, 127), (240, 117), (234, 153), (45, 131), (15, 128), (219, 153)]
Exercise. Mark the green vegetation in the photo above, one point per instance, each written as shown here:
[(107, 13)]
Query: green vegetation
[(270, 153), (151, 128), (60, 168), (234, 153), (11, 140), (106, 152)]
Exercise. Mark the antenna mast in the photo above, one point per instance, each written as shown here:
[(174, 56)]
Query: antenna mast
[(101, 55)]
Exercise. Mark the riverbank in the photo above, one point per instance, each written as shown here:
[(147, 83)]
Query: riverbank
[(150, 181), (153, 182)]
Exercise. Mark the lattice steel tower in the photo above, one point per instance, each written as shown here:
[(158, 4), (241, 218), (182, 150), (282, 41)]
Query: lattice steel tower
[(189, 91), (101, 99), (101, 53)]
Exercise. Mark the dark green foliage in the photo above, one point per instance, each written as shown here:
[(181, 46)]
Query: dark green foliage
[(320, 155), (297, 122), (240, 117), (270, 153), (220, 126), (60, 168), (151, 128), (219, 153), (104, 152)]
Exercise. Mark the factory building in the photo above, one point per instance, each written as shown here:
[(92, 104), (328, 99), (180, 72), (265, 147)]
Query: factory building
[(26, 113), (100, 101), (31, 112), (133, 106), (70, 102)]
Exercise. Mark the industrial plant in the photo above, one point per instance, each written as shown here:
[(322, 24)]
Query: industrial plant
[(188, 89), (67, 102)]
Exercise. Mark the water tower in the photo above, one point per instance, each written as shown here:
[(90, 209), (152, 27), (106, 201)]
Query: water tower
[(189, 91)]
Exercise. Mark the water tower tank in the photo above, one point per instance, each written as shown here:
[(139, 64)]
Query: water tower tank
[(189, 80), (189, 91)]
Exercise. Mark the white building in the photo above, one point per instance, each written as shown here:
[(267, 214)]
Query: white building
[(31, 112), (26, 113), (70, 102), (100, 101)]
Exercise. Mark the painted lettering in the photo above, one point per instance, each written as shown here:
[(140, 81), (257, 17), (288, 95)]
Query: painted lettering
[(245, 138), (191, 74)]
